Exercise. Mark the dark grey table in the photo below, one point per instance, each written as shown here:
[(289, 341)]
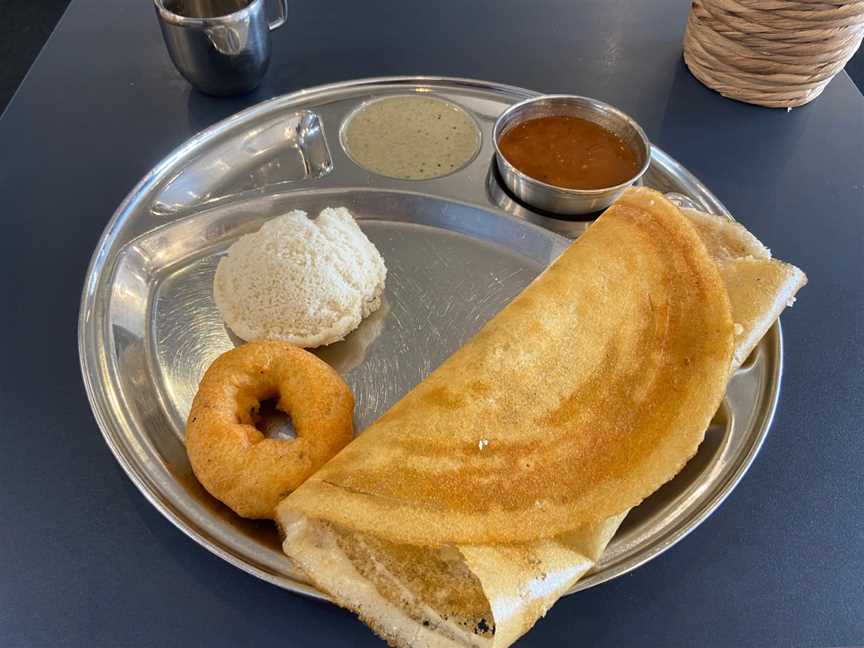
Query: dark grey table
[(86, 561)]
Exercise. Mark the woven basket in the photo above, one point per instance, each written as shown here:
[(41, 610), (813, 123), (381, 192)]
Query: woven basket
[(777, 53)]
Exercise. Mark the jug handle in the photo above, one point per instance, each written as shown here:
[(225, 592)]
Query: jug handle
[(276, 24)]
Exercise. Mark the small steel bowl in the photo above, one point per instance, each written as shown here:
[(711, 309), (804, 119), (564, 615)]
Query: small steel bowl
[(560, 200)]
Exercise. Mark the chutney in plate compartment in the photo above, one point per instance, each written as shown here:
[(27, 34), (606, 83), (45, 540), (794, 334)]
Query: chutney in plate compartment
[(411, 137)]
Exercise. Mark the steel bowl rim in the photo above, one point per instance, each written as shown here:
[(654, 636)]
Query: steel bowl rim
[(565, 191)]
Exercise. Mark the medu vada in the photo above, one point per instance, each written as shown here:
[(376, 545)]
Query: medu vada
[(232, 459)]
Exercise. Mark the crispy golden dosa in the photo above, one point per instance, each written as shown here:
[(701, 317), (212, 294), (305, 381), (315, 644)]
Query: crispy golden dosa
[(578, 400), (489, 595)]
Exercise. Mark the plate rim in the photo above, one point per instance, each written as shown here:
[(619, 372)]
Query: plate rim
[(89, 327)]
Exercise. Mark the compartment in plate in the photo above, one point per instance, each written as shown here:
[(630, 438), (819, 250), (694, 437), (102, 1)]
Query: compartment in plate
[(451, 268), (287, 148), (411, 137)]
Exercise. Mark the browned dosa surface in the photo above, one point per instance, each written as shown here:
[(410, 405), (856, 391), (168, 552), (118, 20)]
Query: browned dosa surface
[(475, 594), (578, 400)]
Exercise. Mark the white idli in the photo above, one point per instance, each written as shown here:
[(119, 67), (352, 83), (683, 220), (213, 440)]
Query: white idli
[(307, 282)]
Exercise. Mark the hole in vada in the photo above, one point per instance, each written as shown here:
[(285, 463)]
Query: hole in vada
[(272, 422)]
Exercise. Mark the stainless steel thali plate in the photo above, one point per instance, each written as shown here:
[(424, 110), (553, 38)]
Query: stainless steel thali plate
[(458, 248)]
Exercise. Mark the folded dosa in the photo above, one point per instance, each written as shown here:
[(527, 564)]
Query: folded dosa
[(482, 575), (758, 286)]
